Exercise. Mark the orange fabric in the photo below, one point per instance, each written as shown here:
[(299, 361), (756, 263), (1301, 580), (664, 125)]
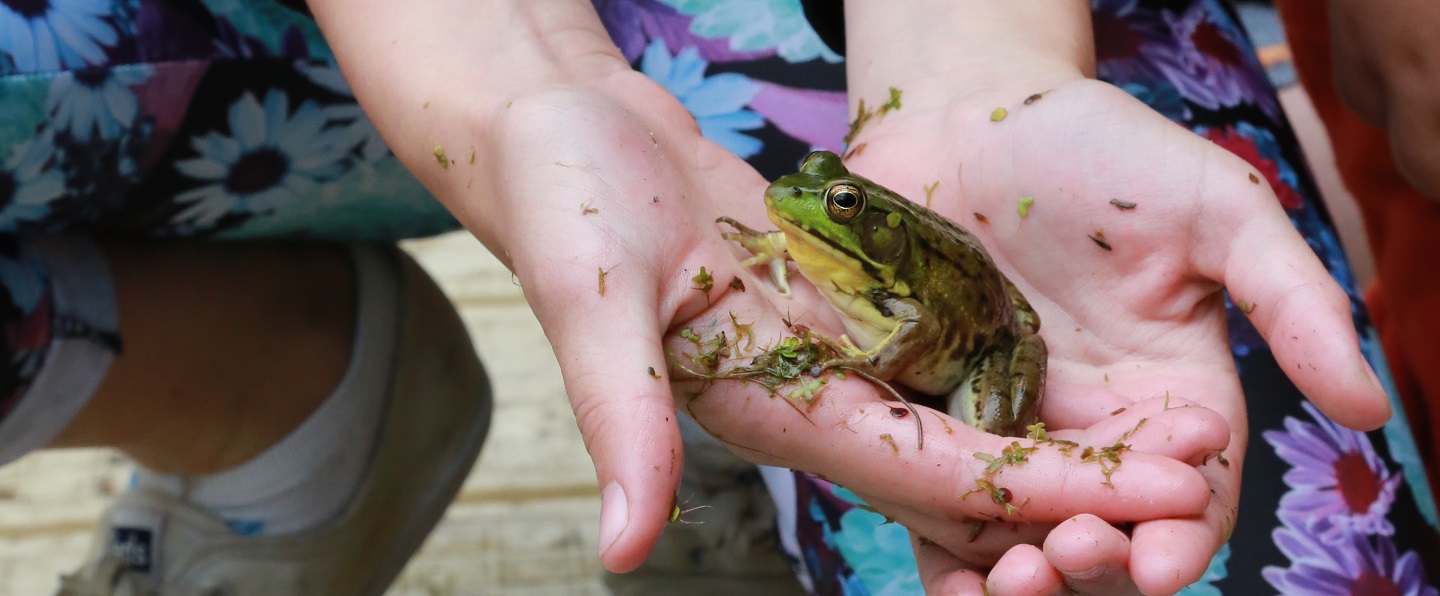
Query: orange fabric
[(1404, 229)]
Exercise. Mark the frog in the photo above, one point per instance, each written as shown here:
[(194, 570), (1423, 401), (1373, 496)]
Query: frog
[(922, 302)]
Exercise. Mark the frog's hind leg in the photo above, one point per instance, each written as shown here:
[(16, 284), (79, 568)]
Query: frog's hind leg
[(1024, 313), (1003, 391), (1027, 379)]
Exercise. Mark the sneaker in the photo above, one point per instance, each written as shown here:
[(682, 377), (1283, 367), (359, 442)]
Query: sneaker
[(435, 418), (724, 543)]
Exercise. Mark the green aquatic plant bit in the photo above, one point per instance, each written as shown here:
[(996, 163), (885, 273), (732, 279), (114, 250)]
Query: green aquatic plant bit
[(1023, 207), (998, 115), (440, 157)]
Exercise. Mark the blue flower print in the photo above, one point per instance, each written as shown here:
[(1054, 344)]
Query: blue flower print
[(29, 183), (272, 157), (716, 102), (96, 99), (1213, 573), (49, 35), (757, 26), (878, 551)]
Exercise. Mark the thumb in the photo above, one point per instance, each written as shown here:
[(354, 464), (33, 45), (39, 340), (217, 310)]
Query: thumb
[(613, 365), (1278, 282)]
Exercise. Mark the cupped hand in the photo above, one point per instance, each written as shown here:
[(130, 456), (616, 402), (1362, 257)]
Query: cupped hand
[(1132, 228), (605, 210)]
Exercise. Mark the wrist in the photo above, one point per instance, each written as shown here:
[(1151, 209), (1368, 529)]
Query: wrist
[(949, 49)]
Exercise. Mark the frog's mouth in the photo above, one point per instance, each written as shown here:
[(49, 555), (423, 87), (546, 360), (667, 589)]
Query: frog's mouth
[(842, 277), (824, 261)]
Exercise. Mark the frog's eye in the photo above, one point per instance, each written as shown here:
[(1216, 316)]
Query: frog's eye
[(844, 201)]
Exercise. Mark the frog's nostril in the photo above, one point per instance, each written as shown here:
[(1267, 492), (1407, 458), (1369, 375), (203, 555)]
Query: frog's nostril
[(795, 191)]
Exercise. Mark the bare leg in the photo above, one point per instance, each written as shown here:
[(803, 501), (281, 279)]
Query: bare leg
[(227, 348)]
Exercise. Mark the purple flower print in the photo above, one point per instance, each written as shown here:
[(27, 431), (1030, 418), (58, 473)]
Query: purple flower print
[(1339, 485), (816, 117), (1131, 42), (634, 23), (1216, 67), (1358, 564)]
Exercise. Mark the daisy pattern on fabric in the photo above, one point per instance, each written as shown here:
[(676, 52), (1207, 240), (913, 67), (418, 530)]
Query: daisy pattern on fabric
[(29, 183), (717, 102), (49, 35), (1358, 564), (1339, 485), (270, 157), (96, 99)]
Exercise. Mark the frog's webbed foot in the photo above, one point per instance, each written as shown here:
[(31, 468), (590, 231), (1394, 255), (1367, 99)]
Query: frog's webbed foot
[(767, 248), (847, 353)]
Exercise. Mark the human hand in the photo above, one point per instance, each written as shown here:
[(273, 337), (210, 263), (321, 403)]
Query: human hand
[(1387, 70), (1129, 297)]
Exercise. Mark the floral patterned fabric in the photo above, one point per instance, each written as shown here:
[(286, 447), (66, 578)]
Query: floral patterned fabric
[(1325, 510), (217, 119)]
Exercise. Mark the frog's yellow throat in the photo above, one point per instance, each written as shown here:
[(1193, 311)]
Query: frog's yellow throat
[(841, 277)]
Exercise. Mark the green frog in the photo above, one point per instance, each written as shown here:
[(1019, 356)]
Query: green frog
[(923, 303)]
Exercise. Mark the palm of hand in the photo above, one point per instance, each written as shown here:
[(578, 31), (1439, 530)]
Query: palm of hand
[(1130, 297)]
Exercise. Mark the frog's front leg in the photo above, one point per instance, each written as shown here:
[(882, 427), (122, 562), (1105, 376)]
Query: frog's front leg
[(766, 247), (1003, 392), (913, 330)]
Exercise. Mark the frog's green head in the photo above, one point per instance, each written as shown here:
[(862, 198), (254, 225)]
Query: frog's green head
[(835, 219)]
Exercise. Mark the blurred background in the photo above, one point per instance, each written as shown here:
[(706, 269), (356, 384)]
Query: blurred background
[(526, 522)]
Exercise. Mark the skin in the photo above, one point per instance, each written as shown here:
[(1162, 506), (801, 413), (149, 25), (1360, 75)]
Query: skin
[(1151, 304), (227, 348), (558, 118), (920, 295), (1387, 69)]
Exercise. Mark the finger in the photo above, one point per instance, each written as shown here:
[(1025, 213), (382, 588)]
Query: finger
[(943, 574), (1091, 555), (1289, 296), (1167, 555), (607, 346), (1024, 571), (975, 543), (852, 438), (1169, 427)]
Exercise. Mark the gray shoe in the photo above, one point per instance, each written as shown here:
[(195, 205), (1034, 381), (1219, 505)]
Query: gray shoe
[(436, 415), (728, 545)]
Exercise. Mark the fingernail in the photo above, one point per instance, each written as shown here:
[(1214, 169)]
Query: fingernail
[(1374, 379), (614, 515), (1086, 575)]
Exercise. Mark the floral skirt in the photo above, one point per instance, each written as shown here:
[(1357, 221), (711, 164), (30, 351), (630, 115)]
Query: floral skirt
[(229, 120)]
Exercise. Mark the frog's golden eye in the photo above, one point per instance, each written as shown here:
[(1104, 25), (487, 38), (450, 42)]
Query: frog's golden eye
[(844, 201)]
